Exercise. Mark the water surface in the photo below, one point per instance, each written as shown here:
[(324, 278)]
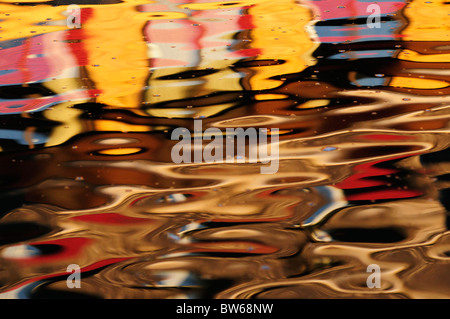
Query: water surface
[(86, 175)]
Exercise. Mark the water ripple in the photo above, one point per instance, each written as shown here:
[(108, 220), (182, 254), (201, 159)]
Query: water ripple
[(86, 117)]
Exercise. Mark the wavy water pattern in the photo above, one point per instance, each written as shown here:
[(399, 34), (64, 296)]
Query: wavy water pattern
[(86, 177)]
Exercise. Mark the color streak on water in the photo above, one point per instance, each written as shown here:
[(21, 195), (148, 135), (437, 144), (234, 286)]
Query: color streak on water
[(87, 178)]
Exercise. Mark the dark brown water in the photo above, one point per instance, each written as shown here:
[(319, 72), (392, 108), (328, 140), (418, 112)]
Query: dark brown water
[(86, 175)]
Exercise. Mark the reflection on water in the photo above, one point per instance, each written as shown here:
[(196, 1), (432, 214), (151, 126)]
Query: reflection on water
[(87, 178)]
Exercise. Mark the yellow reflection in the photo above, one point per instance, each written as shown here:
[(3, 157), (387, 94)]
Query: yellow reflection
[(428, 21), (409, 55), (280, 32), (120, 151), (118, 61), (313, 104), (280, 132), (20, 22), (109, 125), (270, 97), (416, 83)]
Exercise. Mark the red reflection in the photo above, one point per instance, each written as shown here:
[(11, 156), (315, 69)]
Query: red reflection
[(111, 219)]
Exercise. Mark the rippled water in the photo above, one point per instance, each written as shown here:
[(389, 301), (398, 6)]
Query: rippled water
[(86, 175)]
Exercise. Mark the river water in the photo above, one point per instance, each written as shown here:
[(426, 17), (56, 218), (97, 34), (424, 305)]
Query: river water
[(87, 178)]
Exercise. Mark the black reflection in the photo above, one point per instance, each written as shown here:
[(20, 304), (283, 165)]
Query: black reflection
[(34, 90), (48, 249), (20, 231), (188, 74), (368, 235)]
